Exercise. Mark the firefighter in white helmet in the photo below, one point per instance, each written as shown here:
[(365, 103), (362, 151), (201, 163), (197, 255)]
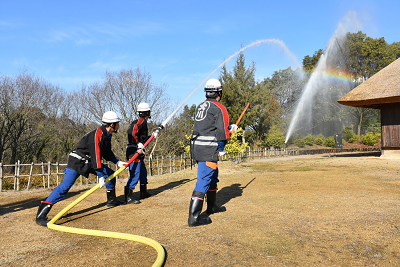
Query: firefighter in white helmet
[(211, 132), (137, 135), (86, 159)]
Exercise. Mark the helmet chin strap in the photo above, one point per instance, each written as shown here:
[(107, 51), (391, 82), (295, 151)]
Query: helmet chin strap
[(113, 127)]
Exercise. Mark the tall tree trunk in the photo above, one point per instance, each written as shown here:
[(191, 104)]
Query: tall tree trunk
[(360, 112)]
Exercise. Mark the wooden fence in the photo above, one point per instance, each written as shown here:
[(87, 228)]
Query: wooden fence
[(20, 176)]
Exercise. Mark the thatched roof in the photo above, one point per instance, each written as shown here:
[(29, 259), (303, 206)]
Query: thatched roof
[(381, 88)]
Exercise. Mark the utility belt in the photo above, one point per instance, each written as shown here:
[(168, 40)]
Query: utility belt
[(76, 155)]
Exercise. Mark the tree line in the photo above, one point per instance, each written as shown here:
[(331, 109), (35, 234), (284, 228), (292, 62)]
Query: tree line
[(42, 122)]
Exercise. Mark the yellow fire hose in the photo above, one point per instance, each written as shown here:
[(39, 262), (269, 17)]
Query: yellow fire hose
[(148, 241)]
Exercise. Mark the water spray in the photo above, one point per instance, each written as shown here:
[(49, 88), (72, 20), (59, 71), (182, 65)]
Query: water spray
[(313, 85), (274, 41)]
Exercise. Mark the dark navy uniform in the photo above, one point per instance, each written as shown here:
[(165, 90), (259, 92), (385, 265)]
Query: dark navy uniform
[(137, 133), (211, 129), (86, 159)]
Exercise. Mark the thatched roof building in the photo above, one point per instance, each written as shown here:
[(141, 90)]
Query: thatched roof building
[(381, 88), (381, 91)]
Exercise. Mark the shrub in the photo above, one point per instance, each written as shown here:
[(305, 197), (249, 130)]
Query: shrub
[(347, 133), (353, 139), (234, 145), (274, 138), (319, 141), (309, 140), (330, 142), (300, 142), (370, 139)]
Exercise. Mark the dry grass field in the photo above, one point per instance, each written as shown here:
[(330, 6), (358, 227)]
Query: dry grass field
[(321, 210)]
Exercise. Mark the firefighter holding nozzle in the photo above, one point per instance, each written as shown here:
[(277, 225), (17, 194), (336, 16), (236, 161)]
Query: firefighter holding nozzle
[(211, 132)]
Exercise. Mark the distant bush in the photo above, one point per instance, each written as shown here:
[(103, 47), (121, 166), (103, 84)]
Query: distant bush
[(235, 145), (300, 142), (349, 135), (370, 139), (274, 138), (353, 139), (309, 140), (330, 142), (319, 141)]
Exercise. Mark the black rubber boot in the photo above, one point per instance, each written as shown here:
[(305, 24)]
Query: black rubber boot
[(143, 191), (128, 196), (196, 205), (41, 216), (112, 200), (212, 203)]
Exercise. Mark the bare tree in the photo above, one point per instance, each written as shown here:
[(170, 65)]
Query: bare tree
[(122, 92)]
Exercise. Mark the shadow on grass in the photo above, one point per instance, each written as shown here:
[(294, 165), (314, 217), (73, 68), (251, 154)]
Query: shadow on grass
[(355, 155), (158, 190), (29, 203), (92, 210), (228, 193), (102, 206)]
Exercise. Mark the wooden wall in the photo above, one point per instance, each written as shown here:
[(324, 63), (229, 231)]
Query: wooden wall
[(390, 121)]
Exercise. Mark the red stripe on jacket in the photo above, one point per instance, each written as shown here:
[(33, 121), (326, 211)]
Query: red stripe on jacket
[(97, 138), (226, 118), (136, 130)]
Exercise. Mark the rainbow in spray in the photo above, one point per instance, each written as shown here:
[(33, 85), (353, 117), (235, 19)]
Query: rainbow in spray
[(332, 75)]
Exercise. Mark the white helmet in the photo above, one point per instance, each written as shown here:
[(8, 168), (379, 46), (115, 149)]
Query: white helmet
[(213, 85), (110, 117), (143, 107), (144, 110)]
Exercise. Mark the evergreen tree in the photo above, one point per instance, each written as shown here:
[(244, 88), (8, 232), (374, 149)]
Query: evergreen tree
[(240, 88)]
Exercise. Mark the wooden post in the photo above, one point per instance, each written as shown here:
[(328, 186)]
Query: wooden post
[(57, 170), (1, 176), (158, 167), (162, 164), (44, 178), (30, 176), (48, 173), (18, 172), (15, 176)]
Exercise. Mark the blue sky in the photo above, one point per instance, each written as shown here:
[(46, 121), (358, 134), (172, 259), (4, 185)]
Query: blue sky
[(178, 42)]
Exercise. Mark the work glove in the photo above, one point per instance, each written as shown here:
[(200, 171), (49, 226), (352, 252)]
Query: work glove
[(102, 177), (102, 181), (233, 128), (121, 164), (221, 147), (140, 148)]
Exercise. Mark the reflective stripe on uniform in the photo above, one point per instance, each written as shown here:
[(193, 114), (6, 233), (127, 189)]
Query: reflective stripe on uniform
[(73, 154), (206, 141)]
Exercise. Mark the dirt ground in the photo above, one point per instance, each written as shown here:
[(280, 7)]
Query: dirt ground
[(320, 210)]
